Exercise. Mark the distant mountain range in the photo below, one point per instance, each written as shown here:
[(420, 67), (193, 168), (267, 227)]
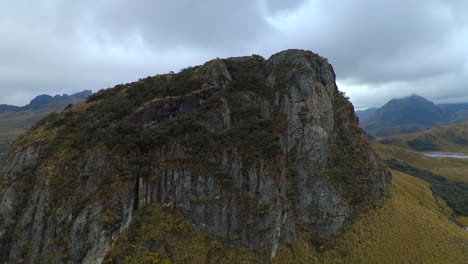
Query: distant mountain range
[(364, 114), (16, 119), (46, 101), (408, 115)]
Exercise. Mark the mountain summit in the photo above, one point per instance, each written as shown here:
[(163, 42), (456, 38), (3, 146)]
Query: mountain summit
[(259, 154), (44, 100), (403, 115)]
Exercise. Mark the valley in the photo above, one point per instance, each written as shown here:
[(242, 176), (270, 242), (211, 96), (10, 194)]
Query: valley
[(448, 176), (435, 151)]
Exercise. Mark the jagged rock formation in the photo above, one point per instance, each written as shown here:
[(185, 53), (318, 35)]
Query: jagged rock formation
[(256, 152), (44, 100)]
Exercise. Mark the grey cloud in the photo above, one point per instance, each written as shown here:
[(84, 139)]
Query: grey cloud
[(205, 25), (282, 6), (358, 35), (379, 49), (375, 45), (58, 45)]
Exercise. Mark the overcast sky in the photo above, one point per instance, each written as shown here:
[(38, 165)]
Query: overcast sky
[(380, 49)]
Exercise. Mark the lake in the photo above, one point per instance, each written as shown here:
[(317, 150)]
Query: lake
[(446, 155)]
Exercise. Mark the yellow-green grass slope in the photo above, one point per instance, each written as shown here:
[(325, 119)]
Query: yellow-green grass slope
[(451, 168), (410, 227), (446, 138), (13, 124)]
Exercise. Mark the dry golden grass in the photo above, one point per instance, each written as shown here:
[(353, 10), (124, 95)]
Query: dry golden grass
[(451, 168), (463, 220), (11, 135), (409, 228), (20, 121), (460, 175), (445, 137)]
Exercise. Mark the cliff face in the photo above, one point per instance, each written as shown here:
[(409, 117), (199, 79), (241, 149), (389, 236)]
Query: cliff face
[(256, 152)]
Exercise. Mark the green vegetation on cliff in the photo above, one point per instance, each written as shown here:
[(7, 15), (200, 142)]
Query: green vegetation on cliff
[(158, 235), (255, 154)]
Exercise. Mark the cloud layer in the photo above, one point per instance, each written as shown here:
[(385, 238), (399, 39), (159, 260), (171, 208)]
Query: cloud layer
[(379, 49)]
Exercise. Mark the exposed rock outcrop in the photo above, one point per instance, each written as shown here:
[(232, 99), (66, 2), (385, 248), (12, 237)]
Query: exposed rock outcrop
[(253, 151)]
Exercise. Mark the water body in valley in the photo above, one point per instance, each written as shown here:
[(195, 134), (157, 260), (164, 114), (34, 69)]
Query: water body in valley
[(446, 155)]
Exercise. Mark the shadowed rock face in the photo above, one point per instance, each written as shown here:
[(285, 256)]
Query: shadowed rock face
[(263, 149)]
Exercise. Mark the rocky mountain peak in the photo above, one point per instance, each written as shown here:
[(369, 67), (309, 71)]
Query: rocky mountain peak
[(258, 153), (44, 99)]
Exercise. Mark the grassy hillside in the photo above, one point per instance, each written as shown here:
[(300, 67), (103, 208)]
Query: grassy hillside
[(455, 193), (15, 120), (13, 124), (410, 227), (451, 168), (454, 170), (451, 138)]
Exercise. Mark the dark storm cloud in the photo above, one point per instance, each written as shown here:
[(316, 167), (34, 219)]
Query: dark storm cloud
[(380, 49)]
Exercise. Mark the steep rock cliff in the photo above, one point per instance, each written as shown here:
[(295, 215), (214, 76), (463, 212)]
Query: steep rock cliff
[(255, 152)]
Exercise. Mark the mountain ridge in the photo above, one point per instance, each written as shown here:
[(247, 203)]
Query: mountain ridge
[(44, 99), (410, 114)]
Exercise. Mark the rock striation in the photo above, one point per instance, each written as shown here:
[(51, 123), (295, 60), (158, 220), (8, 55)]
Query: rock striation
[(255, 152)]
